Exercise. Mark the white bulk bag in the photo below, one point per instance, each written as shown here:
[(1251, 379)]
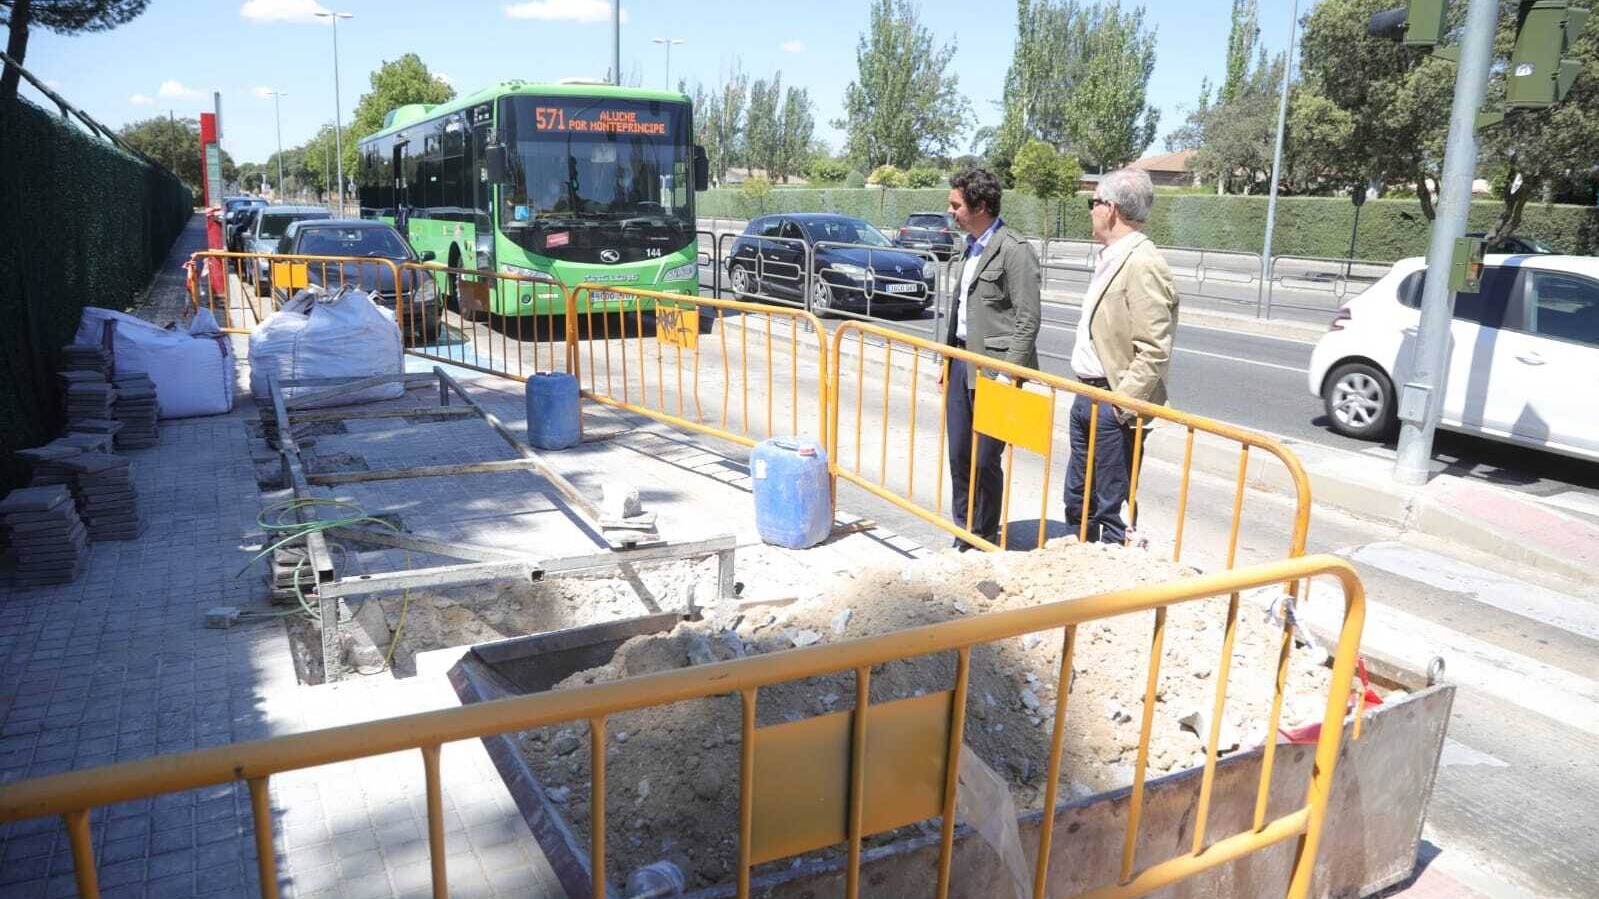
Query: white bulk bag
[(323, 335), (192, 370)]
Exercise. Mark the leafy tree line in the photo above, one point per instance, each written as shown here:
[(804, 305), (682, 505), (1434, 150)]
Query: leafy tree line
[(1368, 115)]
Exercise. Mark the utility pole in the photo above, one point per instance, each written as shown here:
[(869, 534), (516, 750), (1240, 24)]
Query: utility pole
[(1420, 398), (1263, 302), (668, 41), (616, 42), (338, 115), (277, 115)]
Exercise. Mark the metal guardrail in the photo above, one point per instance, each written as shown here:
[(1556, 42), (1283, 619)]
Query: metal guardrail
[(770, 829)]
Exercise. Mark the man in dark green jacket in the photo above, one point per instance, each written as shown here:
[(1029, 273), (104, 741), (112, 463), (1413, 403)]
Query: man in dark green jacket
[(994, 312)]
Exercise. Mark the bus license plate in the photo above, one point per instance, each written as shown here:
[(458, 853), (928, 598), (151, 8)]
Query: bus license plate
[(605, 299), (904, 288)]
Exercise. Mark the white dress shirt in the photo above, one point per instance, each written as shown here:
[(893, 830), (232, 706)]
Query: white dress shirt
[(1085, 362)]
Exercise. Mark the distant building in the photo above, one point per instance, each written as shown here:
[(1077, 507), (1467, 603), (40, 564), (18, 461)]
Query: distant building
[(1169, 169)]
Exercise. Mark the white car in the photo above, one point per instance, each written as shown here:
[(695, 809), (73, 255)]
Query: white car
[(1523, 359)]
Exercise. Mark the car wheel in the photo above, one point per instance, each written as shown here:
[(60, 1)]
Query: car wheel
[(1360, 401), (743, 282), (821, 297)]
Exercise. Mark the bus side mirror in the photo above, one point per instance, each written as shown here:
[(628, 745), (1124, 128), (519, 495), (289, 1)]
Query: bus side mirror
[(702, 169), (494, 158)]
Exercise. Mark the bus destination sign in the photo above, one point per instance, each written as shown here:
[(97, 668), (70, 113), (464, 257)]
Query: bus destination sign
[(598, 121)]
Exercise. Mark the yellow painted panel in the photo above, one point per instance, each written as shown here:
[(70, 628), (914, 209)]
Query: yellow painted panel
[(802, 775), (677, 327), (291, 275), (1009, 413)]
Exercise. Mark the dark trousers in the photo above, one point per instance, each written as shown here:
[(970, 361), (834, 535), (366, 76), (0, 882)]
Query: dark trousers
[(985, 499), (1113, 471)]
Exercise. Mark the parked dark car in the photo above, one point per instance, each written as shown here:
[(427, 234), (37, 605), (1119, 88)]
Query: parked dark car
[(869, 276), (935, 232), (239, 223), (1516, 245), (267, 228), (234, 210), (366, 239)]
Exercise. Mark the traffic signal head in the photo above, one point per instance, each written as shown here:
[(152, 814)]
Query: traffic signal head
[(1539, 73), (1420, 23)]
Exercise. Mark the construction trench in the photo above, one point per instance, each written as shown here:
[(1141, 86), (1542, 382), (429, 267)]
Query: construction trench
[(429, 571)]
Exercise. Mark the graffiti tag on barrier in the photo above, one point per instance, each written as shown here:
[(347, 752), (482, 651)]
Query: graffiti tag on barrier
[(678, 327)]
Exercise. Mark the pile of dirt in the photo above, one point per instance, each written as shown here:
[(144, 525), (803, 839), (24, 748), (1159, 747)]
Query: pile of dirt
[(673, 771)]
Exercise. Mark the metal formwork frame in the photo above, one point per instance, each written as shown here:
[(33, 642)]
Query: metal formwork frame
[(627, 542)]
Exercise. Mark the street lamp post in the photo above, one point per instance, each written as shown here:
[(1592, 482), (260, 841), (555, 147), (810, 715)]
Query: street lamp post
[(277, 116), (338, 115), (668, 41)]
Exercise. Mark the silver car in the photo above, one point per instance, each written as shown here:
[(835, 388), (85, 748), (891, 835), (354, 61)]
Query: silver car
[(266, 230)]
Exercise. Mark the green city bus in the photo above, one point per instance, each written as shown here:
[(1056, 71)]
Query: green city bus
[(582, 181)]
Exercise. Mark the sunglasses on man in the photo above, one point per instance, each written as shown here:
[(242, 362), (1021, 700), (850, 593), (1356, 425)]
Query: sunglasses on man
[(1096, 202)]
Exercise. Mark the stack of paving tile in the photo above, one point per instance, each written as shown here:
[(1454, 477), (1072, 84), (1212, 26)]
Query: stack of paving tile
[(48, 465), (90, 357), (105, 495), (46, 534), (286, 561), (89, 401), (136, 409)]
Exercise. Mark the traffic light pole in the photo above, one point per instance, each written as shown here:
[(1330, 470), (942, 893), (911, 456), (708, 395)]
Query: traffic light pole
[(1421, 396)]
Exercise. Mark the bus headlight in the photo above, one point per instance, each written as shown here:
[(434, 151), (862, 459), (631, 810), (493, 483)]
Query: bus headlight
[(682, 273)]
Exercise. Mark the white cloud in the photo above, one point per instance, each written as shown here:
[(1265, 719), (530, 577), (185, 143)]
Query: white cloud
[(793, 46), (259, 11), (563, 11), (264, 93), (141, 100), (440, 76), (172, 89)]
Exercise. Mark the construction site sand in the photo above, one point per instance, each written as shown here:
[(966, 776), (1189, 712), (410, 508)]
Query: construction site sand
[(672, 788)]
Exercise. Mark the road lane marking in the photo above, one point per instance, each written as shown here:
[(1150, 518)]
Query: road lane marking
[(1545, 606)]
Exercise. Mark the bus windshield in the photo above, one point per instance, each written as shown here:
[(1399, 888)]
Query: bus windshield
[(608, 165)]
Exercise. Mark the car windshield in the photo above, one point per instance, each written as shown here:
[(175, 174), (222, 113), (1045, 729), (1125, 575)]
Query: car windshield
[(846, 231), (274, 224), (352, 242), (926, 221)]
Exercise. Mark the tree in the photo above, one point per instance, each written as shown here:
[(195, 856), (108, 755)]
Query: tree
[(1239, 135), (175, 144), (905, 103), (1108, 121), (394, 84), (1537, 151), (60, 16), (797, 131), (1240, 47), (1190, 135), (1078, 80), (763, 134), (826, 170), (924, 176), (1394, 101), (1044, 172), (724, 121), (886, 176)]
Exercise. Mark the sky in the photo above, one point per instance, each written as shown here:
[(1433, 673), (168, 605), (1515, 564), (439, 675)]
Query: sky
[(178, 52)]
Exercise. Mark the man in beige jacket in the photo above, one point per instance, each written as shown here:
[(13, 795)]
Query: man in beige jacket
[(1124, 345)]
